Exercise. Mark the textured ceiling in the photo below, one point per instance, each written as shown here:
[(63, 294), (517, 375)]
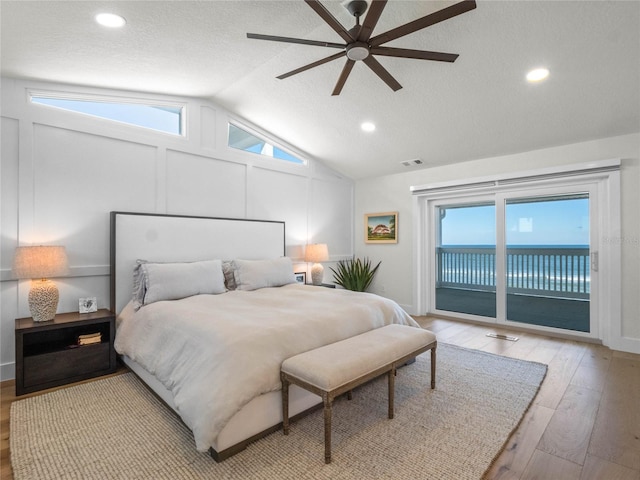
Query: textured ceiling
[(479, 106)]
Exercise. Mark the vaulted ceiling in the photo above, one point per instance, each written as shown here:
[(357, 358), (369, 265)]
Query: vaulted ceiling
[(480, 106)]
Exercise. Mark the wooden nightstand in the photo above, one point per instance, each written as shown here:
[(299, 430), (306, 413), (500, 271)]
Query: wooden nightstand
[(47, 354)]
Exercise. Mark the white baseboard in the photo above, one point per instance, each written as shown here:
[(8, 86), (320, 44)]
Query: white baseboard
[(7, 371), (625, 344)]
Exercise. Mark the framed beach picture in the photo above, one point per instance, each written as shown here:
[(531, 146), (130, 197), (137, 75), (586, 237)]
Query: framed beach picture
[(381, 227), (301, 277)]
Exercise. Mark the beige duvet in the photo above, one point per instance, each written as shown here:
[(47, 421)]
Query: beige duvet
[(215, 353)]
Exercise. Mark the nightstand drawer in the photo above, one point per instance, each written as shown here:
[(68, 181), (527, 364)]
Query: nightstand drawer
[(65, 364)]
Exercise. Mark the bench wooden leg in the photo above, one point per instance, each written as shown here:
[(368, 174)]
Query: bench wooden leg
[(433, 368), (285, 404), (327, 427), (392, 378)]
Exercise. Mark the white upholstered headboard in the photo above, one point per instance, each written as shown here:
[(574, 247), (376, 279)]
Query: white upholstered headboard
[(176, 238)]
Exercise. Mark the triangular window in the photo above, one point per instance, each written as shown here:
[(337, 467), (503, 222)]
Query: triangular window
[(243, 140)]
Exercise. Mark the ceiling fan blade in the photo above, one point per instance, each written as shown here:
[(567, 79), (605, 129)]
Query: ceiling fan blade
[(343, 76), (419, 24), (370, 21), (311, 65), (330, 20), (273, 38), (379, 70), (418, 54)]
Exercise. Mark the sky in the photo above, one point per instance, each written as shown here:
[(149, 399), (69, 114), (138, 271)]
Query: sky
[(164, 119), (552, 222)]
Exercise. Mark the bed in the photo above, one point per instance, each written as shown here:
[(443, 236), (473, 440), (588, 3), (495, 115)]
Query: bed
[(211, 346)]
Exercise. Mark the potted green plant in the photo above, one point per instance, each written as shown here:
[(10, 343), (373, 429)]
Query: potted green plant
[(355, 274)]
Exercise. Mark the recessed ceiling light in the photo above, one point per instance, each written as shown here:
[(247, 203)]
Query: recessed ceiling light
[(110, 20), (368, 127), (537, 75)]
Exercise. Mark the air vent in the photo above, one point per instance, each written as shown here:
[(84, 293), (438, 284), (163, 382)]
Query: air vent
[(412, 163)]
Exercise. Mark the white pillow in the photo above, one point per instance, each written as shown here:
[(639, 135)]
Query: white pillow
[(254, 274), (154, 282)]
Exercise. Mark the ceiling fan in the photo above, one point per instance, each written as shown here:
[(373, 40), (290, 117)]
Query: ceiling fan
[(361, 46)]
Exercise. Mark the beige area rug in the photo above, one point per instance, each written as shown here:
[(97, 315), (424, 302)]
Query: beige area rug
[(116, 429)]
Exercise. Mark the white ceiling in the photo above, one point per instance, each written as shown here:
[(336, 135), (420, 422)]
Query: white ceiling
[(480, 106)]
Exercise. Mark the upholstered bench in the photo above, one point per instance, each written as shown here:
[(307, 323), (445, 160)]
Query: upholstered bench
[(334, 369)]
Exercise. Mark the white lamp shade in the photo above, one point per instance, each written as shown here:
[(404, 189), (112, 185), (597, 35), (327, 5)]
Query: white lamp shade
[(316, 252), (40, 262)]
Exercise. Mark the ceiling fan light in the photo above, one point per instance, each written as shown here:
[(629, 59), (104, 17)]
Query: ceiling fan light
[(357, 51), (537, 75)]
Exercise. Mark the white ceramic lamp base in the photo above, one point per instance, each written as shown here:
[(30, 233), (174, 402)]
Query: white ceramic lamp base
[(43, 300), (317, 274)]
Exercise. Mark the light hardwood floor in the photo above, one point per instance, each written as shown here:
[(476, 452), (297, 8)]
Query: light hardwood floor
[(584, 424)]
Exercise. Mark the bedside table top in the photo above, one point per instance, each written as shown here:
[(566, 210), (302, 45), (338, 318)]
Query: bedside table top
[(326, 285), (63, 318)]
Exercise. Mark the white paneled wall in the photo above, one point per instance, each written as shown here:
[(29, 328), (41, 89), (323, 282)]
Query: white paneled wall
[(62, 173), (202, 186), (281, 196), (326, 199), (77, 179)]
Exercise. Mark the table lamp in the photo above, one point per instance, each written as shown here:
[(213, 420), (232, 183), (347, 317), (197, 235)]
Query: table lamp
[(40, 263), (316, 253)]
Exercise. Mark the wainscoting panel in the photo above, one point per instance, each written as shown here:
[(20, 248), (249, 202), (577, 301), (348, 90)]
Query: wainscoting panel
[(280, 196), (331, 207), (198, 185), (8, 190), (79, 178)]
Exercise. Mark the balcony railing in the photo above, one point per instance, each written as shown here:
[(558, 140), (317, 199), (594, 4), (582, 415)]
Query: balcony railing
[(545, 271)]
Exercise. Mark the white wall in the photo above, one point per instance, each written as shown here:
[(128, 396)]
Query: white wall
[(391, 193), (62, 173)]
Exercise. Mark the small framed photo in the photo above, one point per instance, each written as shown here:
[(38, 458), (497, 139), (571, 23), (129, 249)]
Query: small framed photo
[(381, 227), (87, 305), (301, 277)]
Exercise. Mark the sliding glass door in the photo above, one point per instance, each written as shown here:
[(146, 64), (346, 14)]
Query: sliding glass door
[(547, 260), (466, 258), (516, 256)]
